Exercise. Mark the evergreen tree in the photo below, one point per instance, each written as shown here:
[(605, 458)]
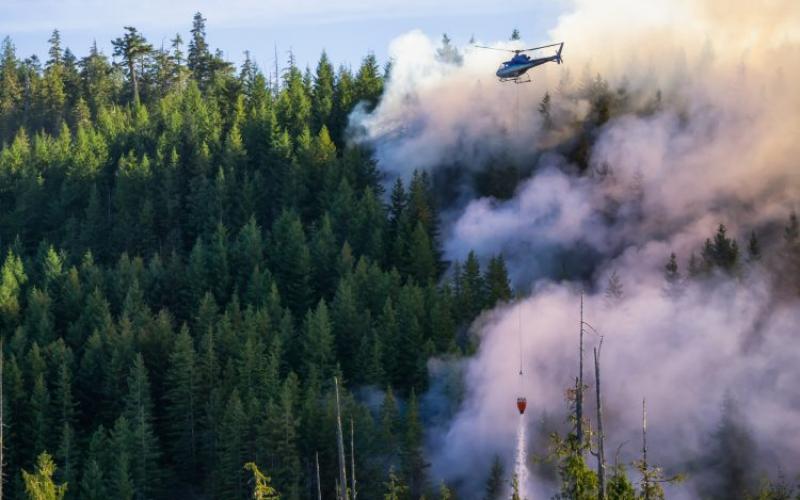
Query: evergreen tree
[(183, 404), (199, 57), (67, 451), (423, 265), (262, 490), (722, 252), (413, 459), (293, 107), (447, 53), (12, 278), (324, 254), (494, 483), (39, 485), (368, 82), (93, 481), (791, 232), (11, 91), (614, 290), (291, 261), (671, 273), (395, 488), (348, 327), (145, 453), (753, 248), (409, 367), (231, 454), (39, 423), (471, 287), (497, 283), (728, 458), (545, 112), (317, 342), (97, 83), (323, 93), (133, 49), (121, 444), (283, 429), (619, 486)]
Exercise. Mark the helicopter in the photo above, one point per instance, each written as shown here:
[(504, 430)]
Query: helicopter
[(516, 67)]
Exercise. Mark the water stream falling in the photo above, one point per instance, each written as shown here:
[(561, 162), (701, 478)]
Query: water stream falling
[(521, 463)]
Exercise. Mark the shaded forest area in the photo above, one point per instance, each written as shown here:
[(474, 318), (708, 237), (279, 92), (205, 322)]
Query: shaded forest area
[(191, 253)]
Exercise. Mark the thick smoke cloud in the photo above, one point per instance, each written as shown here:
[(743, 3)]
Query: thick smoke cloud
[(684, 355), (434, 112), (718, 143)]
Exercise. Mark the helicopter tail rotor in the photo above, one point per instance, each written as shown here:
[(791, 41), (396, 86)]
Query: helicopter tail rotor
[(559, 60)]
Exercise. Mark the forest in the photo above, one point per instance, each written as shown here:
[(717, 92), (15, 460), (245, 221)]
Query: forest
[(193, 252)]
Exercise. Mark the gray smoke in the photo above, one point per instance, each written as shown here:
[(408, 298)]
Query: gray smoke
[(718, 143)]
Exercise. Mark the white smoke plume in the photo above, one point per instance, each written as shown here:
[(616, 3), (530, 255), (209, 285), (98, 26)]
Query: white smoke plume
[(719, 143), (684, 355), (433, 112)]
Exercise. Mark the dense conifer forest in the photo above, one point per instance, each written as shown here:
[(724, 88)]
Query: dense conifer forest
[(192, 253)]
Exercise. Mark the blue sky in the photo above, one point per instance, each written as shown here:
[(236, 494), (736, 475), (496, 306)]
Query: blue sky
[(346, 29)]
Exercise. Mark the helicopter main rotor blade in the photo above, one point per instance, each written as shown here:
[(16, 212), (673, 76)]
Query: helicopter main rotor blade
[(542, 47), (494, 48)]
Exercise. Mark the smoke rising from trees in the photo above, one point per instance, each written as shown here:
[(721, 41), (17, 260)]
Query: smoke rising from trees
[(666, 120)]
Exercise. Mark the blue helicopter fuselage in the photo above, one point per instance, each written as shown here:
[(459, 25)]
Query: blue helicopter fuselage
[(519, 64)]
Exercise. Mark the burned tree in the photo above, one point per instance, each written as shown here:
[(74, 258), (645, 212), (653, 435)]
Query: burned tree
[(600, 454), (340, 443)]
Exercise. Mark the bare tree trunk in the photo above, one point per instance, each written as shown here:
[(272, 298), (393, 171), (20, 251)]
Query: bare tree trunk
[(601, 458), (352, 461), (645, 476), (579, 392), (276, 85), (134, 80), (319, 486), (2, 409), (340, 440)]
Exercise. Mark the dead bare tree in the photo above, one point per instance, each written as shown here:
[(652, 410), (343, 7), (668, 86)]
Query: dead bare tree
[(352, 461), (2, 409), (319, 486), (579, 391), (340, 441), (601, 458), (645, 475)]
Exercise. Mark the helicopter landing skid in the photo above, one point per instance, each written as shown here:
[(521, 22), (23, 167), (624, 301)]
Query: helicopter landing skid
[(517, 80)]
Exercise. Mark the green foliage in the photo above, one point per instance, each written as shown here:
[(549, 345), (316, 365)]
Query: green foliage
[(395, 488), (495, 481), (578, 481), (183, 404), (515, 495), (143, 446), (413, 460), (12, 277), (722, 252), (39, 485), (619, 487), (132, 48), (190, 255), (261, 484)]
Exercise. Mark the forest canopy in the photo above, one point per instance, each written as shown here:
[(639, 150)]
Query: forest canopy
[(191, 252)]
